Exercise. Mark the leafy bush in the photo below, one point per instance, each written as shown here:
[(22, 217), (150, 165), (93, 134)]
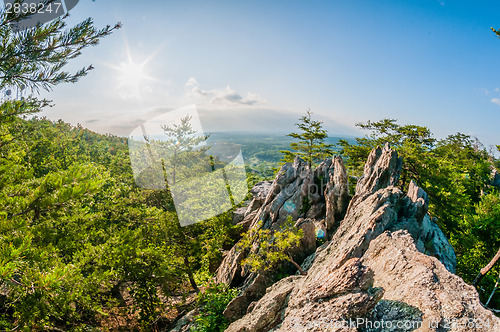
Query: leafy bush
[(213, 301), (271, 247)]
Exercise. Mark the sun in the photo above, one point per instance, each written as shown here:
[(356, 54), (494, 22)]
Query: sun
[(131, 74), (131, 78)]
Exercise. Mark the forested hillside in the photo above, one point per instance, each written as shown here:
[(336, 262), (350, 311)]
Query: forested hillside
[(262, 152), (77, 233)]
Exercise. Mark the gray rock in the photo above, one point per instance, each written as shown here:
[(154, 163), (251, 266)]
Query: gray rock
[(229, 272), (266, 313), (259, 194), (247, 220), (297, 192), (253, 289), (308, 262), (239, 215), (419, 200), (336, 194), (382, 169), (307, 244), (421, 282), (373, 268), (261, 189), (433, 242)]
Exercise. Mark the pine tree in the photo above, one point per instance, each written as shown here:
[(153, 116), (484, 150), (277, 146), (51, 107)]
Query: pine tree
[(43, 194), (182, 147), (311, 145), (34, 59)]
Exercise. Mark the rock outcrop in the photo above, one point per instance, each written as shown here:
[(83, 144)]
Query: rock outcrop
[(336, 194), (387, 266), (310, 197), (245, 215), (298, 191)]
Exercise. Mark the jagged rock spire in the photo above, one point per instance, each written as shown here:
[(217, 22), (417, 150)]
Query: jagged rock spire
[(382, 169)]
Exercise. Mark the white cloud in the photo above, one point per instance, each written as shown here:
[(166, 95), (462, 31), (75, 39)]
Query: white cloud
[(495, 101), (226, 96), (497, 89), (194, 89)]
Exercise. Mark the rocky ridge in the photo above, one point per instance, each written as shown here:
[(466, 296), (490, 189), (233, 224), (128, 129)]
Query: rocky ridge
[(386, 267)]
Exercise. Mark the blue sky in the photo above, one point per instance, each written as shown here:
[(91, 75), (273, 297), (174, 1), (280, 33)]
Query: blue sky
[(258, 65)]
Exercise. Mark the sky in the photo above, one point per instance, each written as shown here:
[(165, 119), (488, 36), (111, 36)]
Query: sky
[(257, 66)]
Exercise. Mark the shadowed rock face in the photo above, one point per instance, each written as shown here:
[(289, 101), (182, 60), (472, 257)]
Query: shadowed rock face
[(245, 215), (376, 266), (336, 194)]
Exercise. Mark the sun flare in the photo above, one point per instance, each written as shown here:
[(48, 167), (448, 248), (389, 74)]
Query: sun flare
[(131, 74)]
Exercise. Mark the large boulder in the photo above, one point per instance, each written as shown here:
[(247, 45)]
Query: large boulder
[(377, 267), (410, 278)]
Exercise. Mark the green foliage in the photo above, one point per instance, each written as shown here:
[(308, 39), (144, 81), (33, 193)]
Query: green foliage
[(213, 301), (311, 144), (180, 144), (41, 191), (80, 243), (73, 222), (477, 243), (409, 140), (268, 248), (497, 32)]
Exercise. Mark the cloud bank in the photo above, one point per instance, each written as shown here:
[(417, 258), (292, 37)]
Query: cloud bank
[(226, 96)]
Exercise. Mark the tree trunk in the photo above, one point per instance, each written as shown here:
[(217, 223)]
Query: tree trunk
[(486, 269), (493, 291), (182, 239), (302, 272), (190, 275)]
